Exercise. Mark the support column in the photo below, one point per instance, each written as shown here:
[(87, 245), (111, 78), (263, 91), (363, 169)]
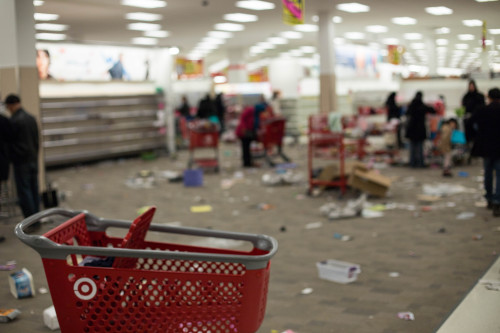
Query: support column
[(328, 91), (18, 72), (237, 71), (430, 45)]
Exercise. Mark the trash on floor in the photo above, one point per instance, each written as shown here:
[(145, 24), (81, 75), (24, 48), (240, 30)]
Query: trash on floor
[(481, 204), (193, 178), (406, 315), (444, 189), (264, 206), (314, 225), (466, 215), (50, 318), (7, 315), (306, 291), (351, 209), (371, 214), (288, 177), (21, 284), (344, 238), (463, 174), (144, 180), (201, 209), (428, 199), (43, 290), (9, 266), (370, 181), (394, 274), (477, 237), (490, 284), (338, 271)]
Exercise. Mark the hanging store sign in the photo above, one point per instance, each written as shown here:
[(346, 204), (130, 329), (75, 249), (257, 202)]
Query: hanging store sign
[(395, 54), (188, 69), (293, 11)]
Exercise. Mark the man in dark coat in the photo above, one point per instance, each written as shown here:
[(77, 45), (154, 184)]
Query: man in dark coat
[(24, 147), (487, 121), (416, 130), (471, 101), (5, 135)]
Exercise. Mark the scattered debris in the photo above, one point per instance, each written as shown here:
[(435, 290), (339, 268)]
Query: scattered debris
[(264, 206), (344, 238), (466, 216), (9, 266), (442, 230), (444, 189), (21, 284), (283, 228), (463, 174), (477, 237), (394, 274), (314, 225), (288, 177), (201, 209), (490, 284), (7, 315), (406, 315), (50, 318), (351, 209), (370, 214), (43, 290), (306, 291), (481, 204), (338, 271)]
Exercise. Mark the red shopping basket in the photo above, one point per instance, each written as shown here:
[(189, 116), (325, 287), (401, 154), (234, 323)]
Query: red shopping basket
[(164, 287)]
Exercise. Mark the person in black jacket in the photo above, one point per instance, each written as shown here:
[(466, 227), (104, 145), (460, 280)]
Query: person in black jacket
[(471, 101), (487, 120), (24, 147), (416, 130), (394, 112)]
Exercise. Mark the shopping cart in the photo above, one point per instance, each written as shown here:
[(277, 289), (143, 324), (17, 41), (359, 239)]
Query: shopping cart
[(270, 136), (149, 286), (203, 135)]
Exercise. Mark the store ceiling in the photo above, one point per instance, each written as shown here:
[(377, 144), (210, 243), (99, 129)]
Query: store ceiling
[(189, 21)]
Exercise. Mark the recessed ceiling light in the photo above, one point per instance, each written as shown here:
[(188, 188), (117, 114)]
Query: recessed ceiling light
[(442, 31), (240, 17), (353, 7), (404, 20), (45, 17), (308, 49), (143, 26), (229, 27), (412, 36), (461, 46), (255, 5), (417, 46), (339, 41), (213, 40), (144, 41), (51, 26), (485, 0), (442, 41), (144, 3), (220, 34), (337, 19), (473, 23), (266, 45), (50, 36), (494, 31), (207, 46), (306, 27), (440, 10), (38, 3), (296, 53), (291, 34), (157, 33), (466, 37), (173, 50), (390, 41), (441, 49), (140, 16), (377, 29), (354, 35), (277, 40)]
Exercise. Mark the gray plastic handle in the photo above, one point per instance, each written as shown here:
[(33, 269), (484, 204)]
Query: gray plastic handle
[(52, 250)]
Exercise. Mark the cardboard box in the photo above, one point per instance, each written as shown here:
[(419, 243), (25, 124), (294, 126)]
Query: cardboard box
[(332, 171), (370, 182)]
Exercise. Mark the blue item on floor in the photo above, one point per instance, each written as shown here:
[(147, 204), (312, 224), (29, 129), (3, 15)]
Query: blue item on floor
[(193, 178)]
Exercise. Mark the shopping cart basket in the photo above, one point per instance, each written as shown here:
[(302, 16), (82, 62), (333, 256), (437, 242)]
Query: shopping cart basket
[(203, 137), (150, 286)]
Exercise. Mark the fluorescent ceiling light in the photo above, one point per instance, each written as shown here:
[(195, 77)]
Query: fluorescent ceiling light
[(494, 31), (390, 41), (51, 26), (440, 10), (458, 53), (404, 20), (291, 34), (417, 46), (45, 17), (157, 33), (229, 27), (473, 23), (339, 40), (442, 49), (38, 2), (50, 36), (213, 40), (277, 40), (207, 46), (256, 49), (337, 19), (461, 46), (266, 45), (442, 31), (143, 26), (173, 50), (377, 29), (240, 17), (296, 53), (144, 3), (140, 16), (354, 35), (353, 7), (255, 5), (144, 41), (442, 42), (412, 36), (306, 27), (466, 37), (220, 34), (485, 0), (308, 49)]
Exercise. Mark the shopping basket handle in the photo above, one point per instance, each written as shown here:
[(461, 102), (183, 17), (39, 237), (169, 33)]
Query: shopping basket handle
[(49, 249)]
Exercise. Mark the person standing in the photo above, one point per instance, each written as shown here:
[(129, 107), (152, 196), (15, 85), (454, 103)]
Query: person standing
[(416, 130), (394, 112), (221, 111), (471, 101), (24, 148), (487, 120)]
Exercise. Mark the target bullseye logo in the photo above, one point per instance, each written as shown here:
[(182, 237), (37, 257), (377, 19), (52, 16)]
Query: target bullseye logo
[(85, 289)]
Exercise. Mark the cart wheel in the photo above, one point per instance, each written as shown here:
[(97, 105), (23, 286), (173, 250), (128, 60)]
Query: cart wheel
[(309, 192)]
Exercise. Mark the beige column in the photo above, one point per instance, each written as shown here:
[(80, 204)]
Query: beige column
[(328, 91), (18, 72)]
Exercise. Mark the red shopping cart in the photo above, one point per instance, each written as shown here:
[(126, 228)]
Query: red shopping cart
[(149, 286), (270, 136), (203, 135)]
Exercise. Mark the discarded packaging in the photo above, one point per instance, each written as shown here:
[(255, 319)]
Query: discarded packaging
[(370, 181), (394, 274), (314, 225), (338, 271), (50, 318), (21, 284), (351, 209), (306, 291), (287, 177), (264, 206), (7, 315), (371, 214), (406, 315), (466, 215), (201, 209), (443, 189), (9, 266)]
